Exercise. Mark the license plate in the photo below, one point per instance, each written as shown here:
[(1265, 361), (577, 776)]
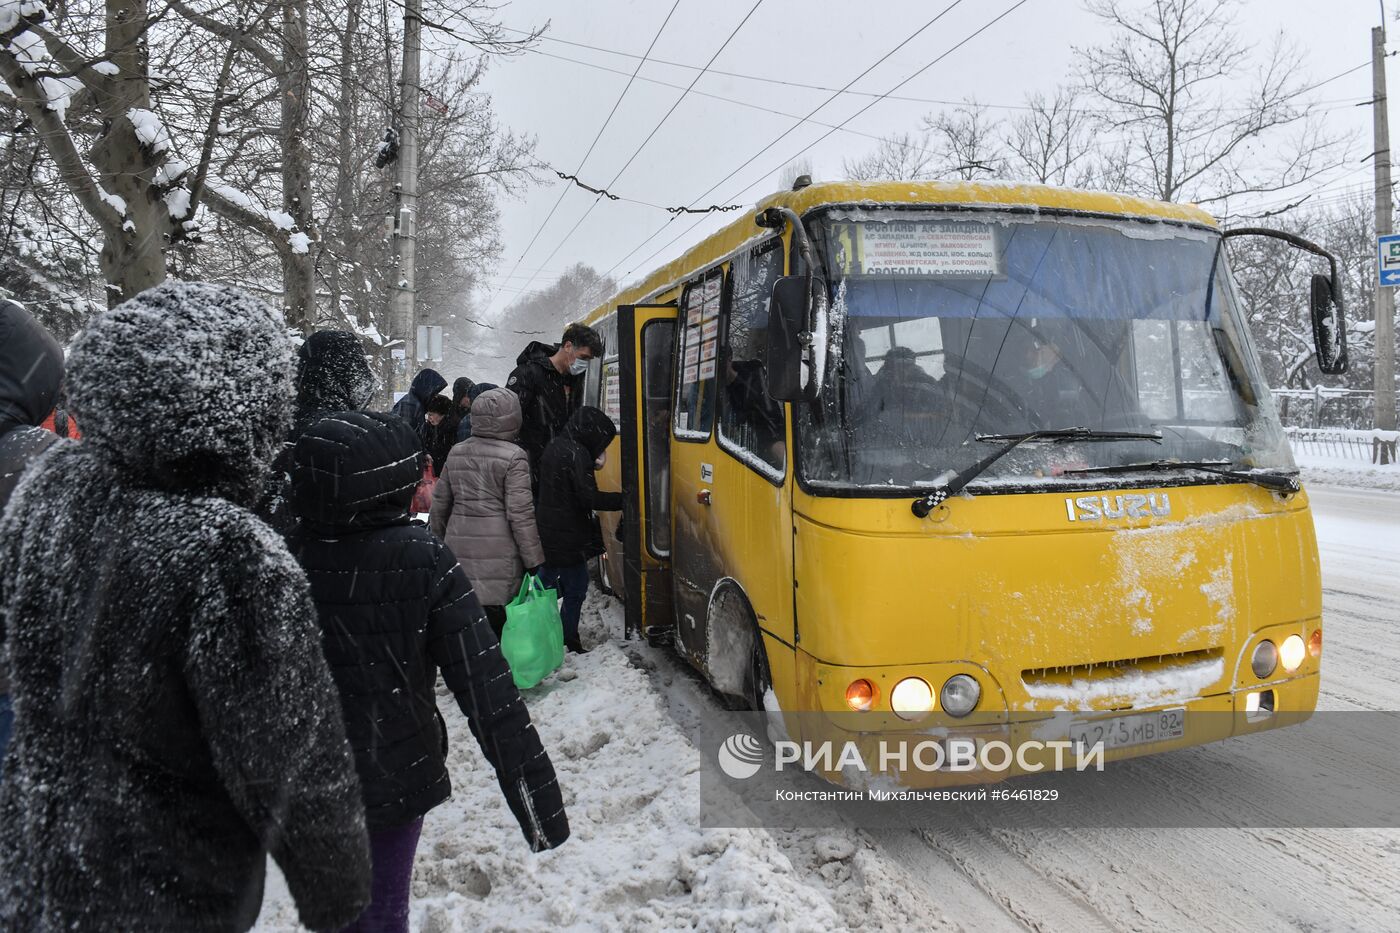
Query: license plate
[(1124, 731)]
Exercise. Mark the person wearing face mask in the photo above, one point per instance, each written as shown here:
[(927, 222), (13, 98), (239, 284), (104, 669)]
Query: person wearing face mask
[(549, 381), (1053, 391)]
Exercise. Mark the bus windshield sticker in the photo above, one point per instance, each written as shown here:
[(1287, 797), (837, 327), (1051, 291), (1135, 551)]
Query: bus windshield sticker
[(709, 330), (942, 248), (692, 356), (707, 351), (707, 369), (707, 472), (687, 377)]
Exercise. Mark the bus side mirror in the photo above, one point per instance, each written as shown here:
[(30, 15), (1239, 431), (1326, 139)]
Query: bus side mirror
[(788, 339), (1329, 327)]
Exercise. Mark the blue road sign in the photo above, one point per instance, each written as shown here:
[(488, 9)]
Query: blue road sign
[(1388, 260)]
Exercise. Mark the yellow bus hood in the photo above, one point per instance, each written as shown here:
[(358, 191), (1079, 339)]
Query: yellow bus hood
[(1093, 614)]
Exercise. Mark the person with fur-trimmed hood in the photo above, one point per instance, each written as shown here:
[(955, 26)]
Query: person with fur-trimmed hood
[(395, 609), (176, 722), (31, 372)]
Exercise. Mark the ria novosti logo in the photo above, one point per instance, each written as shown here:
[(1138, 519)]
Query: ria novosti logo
[(740, 756)]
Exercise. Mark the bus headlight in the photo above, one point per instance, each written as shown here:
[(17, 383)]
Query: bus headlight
[(1265, 659), (912, 698), (959, 695), (1291, 652)]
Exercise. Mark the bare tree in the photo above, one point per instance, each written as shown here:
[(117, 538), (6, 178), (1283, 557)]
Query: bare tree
[(1191, 99), (967, 141), (904, 156), (1052, 142)]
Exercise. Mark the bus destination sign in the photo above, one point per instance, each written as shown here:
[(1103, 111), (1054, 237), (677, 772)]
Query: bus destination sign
[(943, 248)]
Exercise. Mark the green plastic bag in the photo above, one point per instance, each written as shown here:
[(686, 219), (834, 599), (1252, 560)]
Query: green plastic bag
[(533, 639)]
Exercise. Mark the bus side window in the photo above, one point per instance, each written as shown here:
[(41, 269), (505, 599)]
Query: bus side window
[(750, 420), (698, 357)]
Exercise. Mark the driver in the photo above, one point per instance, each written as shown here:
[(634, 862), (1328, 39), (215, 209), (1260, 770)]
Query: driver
[(1053, 390)]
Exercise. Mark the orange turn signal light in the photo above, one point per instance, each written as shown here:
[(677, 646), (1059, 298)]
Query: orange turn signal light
[(1315, 643), (860, 695)]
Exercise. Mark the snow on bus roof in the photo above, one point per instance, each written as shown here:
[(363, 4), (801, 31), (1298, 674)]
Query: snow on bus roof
[(991, 194)]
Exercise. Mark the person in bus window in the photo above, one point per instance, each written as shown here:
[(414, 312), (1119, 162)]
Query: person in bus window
[(905, 404)]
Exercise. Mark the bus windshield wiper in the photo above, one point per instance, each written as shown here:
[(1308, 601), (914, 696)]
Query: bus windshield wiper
[(925, 504), (1280, 482)]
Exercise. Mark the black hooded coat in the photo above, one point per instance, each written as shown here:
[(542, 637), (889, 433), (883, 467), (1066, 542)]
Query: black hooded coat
[(395, 609), (332, 376), (413, 406), (569, 491), (175, 720), (31, 371)]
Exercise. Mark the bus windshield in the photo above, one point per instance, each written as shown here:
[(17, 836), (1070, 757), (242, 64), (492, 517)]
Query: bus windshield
[(946, 326)]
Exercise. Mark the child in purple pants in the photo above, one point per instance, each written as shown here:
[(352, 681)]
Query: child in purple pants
[(396, 609)]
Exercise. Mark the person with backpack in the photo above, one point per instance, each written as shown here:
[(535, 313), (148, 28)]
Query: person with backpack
[(176, 722), (31, 373), (569, 497), (395, 609), (482, 506)]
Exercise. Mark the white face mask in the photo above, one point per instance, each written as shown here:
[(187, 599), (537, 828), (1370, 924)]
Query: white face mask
[(602, 459), (578, 367)]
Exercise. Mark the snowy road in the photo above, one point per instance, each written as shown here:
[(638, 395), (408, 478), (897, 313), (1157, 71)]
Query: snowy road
[(614, 721)]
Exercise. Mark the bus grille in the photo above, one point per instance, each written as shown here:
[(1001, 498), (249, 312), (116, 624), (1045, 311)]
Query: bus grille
[(1127, 683)]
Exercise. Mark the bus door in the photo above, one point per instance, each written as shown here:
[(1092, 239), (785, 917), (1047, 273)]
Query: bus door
[(646, 341)]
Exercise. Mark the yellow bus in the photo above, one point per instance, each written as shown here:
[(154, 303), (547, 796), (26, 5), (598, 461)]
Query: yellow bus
[(895, 451)]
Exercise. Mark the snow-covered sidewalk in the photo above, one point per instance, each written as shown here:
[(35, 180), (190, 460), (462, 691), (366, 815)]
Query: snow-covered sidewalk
[(1322, 470), (637, 859)]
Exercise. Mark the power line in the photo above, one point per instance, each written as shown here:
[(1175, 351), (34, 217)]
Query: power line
[(783, 135), (817, 87), (592, 145), (962, 42), (603, 192)]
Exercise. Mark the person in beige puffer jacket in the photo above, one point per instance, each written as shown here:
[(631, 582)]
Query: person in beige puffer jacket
[(482, 506)]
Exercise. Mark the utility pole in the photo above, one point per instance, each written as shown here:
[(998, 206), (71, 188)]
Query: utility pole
[(404, 315), (1385, 298)]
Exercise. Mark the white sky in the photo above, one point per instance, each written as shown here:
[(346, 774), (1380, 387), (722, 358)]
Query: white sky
[(821, 42)]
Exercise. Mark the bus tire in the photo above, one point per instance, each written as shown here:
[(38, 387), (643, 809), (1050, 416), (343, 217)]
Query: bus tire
[(736, 663)]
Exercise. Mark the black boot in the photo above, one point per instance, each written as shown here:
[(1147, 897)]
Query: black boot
[(575, 646)]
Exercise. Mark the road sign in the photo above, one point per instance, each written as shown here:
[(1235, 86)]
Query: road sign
[(429, 344), (1388, 256)]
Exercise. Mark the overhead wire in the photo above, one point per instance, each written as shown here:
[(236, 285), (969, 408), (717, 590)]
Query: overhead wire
[(604, 192), (599, 135)]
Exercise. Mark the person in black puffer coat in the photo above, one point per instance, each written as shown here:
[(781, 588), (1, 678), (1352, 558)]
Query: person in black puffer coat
[(175, 720), (395, 608), (441, 432), (568, 498), (332, 376), (31, 371), (413, 406)]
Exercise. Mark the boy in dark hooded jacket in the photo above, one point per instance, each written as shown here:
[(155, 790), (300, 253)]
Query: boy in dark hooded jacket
[(568, 498), (176, 722), (395, 609)]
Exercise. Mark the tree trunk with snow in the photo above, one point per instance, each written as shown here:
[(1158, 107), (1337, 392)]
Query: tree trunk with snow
[(298, 262)]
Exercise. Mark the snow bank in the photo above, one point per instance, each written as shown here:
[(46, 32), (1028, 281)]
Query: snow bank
[(1323, 470), (637, 859)]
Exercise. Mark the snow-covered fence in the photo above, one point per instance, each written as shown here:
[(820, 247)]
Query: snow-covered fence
[(1324, 406), (1345, 444)]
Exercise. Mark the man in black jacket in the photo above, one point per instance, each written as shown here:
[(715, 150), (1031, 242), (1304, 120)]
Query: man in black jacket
[(568, 498), (549, 381), (395, 607), (31, 370)]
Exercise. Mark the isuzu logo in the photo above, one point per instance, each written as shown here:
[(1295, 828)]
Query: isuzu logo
[(1135, 505)]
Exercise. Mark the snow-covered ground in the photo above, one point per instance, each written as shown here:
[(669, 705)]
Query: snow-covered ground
[(1323, 470), (638, 861)]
